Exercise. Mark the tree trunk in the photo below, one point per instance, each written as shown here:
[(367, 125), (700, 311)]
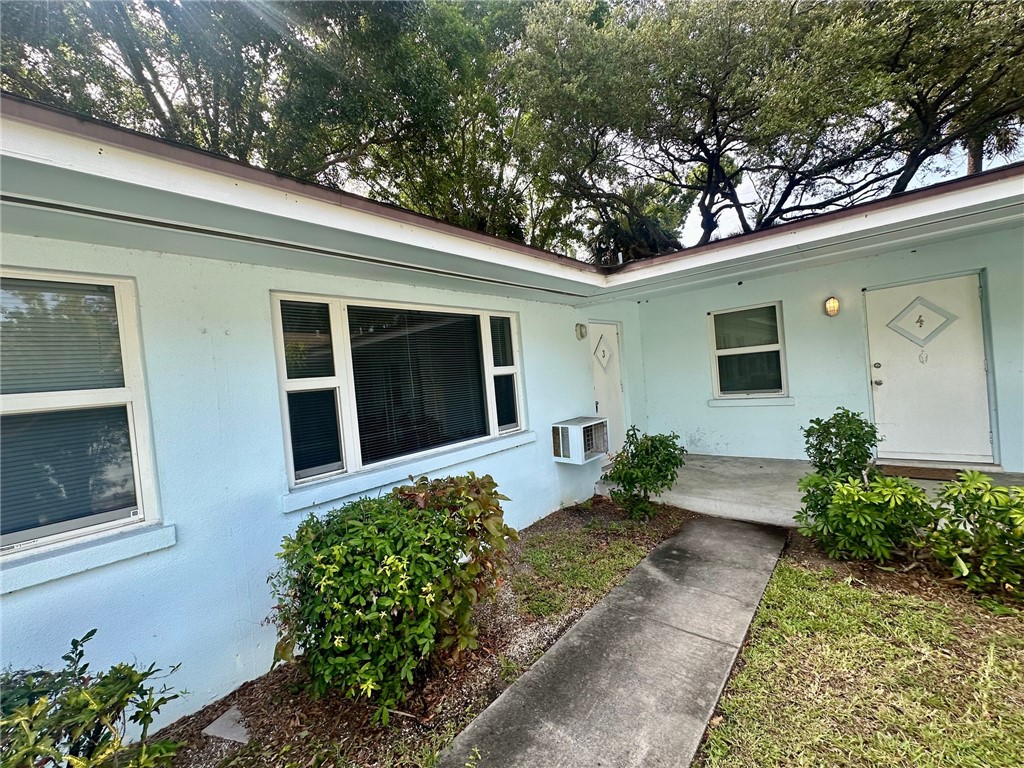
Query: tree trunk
[(975, 155)]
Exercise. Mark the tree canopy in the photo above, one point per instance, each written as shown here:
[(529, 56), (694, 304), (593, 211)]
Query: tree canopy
[(608, 129)]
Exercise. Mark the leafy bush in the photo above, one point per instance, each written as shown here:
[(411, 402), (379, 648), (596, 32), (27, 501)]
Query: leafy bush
[(842, 444), (979, 533), (371, 590), (647, 464), (473, 508), (854, 519), (78, 719)]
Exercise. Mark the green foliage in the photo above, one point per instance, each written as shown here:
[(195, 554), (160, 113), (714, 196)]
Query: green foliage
[(589, 126), (842, 444), (852, 519), (647, 464), (472, 507), (77, 718), (979, 533), (370, 591)]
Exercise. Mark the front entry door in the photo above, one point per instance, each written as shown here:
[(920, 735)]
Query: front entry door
[(607, 371), (928, 371)]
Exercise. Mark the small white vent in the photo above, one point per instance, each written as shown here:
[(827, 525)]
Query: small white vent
[(580, 440)]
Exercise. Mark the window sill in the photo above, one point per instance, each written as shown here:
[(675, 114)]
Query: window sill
[(335, 489), (23, 570), (749, 401)]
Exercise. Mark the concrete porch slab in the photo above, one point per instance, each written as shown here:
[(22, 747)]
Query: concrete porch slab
[(634, 682), (739, 488)]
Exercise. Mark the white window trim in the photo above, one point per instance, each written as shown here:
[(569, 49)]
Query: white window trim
[(132, 395), (343, 381), (717, 393)]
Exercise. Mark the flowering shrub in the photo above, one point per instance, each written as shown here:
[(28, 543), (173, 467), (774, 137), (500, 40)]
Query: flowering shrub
[(371, 590), (76, 718)]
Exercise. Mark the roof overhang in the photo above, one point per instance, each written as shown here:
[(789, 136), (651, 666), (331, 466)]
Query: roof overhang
[(87, 181)]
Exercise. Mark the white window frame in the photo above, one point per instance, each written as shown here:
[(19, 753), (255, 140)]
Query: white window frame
[(492, 371), (343, 381), (716, 353), (132, 395)]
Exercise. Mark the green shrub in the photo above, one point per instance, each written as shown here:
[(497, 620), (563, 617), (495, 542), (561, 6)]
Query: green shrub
[(370, 591), (842, 444), (647, 464), (472, 506), (77, 718), (852, 519), (979, 533)]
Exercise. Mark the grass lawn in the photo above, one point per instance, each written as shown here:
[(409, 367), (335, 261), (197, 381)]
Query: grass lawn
[(840, 672)]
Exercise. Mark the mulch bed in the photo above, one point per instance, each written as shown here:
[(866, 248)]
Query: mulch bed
[(288, 727)]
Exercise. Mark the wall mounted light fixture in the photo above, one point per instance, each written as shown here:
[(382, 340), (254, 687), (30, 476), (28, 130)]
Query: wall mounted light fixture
[(831, 306), (581, 331)]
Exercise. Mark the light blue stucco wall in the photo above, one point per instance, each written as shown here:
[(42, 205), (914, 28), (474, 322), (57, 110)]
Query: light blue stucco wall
[(216, 422), (826, 357)]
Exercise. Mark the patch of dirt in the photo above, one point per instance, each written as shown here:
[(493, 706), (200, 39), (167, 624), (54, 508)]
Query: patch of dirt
[(288, 727)]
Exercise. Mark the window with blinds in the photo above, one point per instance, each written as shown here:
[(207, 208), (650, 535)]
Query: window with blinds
[(66, 428), (366, 384)]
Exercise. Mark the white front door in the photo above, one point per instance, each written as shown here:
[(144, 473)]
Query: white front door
[(607, 370), (928, 371)]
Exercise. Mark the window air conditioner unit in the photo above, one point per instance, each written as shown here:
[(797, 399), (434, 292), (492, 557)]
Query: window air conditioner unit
[(580, 440)]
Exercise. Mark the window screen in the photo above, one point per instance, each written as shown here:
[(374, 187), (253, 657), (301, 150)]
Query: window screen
[(306, 328), (750, 373), (313, 419), (418, 380), (505, 399), (748, 354)]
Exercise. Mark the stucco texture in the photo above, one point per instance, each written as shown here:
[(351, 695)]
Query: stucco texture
[(218, 448), (827, 358)]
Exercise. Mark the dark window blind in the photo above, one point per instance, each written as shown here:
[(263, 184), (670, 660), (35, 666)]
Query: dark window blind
[(418, 380), (65, 466), (58, 336), (306, 329), (501, 341)]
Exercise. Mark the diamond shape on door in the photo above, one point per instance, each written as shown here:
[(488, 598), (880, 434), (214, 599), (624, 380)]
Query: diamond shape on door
[(603, 352), (921, 321)]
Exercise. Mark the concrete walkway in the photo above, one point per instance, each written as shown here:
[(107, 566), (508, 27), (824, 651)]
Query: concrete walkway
[(634, 682)]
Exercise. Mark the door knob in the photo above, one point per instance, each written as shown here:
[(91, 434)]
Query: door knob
[(877, 382)]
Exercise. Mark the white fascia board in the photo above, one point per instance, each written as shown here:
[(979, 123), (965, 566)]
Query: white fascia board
[(61, 149), (877, 229), (904, 221)]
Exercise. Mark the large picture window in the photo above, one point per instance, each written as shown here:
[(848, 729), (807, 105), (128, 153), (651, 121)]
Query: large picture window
[(365, 384), (748, 352), (70, 422)]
